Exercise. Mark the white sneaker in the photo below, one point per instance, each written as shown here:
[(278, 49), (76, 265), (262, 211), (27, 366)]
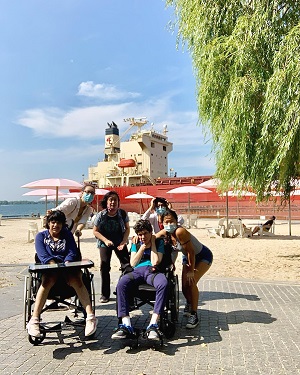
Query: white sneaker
[(90, 326), (33, 327)]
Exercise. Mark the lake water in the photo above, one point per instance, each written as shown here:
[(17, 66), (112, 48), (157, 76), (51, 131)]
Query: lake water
[(25, 210)]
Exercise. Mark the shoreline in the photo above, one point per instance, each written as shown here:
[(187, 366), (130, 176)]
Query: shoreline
[(266, 258)]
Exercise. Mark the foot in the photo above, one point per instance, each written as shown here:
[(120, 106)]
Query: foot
[(193, 321), (153, 332), (90, 325), (33, 327), (123, 332), (187, 310), (103, 299)]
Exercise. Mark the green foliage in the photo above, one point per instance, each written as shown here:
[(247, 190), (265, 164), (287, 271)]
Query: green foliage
[(246, 57)]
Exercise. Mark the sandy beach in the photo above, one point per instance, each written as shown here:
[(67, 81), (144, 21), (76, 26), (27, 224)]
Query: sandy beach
[(256, 258)]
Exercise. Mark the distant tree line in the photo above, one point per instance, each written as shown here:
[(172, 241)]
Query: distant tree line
[(3, 203)]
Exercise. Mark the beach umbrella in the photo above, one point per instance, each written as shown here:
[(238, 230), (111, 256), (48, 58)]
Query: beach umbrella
[(100, 192), (188, 190), (46, 193), (213, 183), (53, 183), (239, 194), (139, 196)]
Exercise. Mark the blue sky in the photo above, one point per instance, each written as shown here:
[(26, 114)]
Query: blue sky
[(67, 67)]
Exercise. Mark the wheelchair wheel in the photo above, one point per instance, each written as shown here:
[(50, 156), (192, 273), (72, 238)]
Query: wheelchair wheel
[(88, 280), (37, 340), (168, 328), (28, 299), (174, 299)]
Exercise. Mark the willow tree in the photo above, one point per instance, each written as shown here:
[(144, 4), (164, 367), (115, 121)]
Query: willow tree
[(246, 59)]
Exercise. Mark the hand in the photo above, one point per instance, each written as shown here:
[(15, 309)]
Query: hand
[(108, 243), (190, 276), (78, 233), (121, 246)]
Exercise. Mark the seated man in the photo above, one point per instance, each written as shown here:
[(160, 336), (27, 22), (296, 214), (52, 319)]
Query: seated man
[(265, 227), (56, 244), (146, 254)]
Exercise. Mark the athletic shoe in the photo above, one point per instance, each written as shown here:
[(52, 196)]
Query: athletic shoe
[(90, 325), (103, 300), (187, 309), (193, 321), (33, 327), (153, 332), (123, 332)]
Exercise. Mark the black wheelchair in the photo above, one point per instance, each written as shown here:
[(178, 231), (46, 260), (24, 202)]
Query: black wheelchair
[(61, 293), (144, 294)]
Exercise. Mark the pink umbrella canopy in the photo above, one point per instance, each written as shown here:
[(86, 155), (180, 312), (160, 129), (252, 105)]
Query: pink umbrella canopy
[(139, 196), (56, 183), (44, 192), (100, 192), (188, 190), (212, 183)]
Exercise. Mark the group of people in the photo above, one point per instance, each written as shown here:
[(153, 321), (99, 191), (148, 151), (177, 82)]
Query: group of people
[(159, 226)]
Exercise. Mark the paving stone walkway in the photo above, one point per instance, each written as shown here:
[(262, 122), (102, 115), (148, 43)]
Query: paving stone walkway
[(246, 327)]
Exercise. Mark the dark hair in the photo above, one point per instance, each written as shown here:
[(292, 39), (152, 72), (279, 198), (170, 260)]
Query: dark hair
[(169, 213), (56, 215), (142, 225), (160, 200), (273, 217), (88, 184), (106, 196)]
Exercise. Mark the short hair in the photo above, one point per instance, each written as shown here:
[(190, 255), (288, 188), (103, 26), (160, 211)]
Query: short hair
[(142, 225), (56, 215), (169, 213), (108, 195), (160, 200)]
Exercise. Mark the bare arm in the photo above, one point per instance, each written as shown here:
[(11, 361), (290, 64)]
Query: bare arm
[(100, 237)]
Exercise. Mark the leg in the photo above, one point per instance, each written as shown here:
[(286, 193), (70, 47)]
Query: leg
[(74, 279), (48, 280), (105, 257), (124, 257)]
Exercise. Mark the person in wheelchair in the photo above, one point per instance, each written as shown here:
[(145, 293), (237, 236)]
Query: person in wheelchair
[(196, 261), (56, 244), (146, 255)]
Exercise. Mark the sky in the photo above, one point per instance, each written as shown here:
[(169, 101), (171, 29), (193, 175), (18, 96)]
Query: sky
[(67, 67)]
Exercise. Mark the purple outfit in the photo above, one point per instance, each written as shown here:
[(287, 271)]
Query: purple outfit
[(141, 275)]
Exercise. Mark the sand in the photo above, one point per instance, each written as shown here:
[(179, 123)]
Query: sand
[(257, 258)]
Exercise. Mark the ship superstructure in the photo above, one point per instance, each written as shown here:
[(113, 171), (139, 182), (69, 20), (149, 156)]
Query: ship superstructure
[(141, 160)]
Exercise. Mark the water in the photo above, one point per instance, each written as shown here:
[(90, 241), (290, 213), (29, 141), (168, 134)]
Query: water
[(25, 210)]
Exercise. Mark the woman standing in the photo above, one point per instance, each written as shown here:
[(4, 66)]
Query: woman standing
[(111, 228), (197, 259)]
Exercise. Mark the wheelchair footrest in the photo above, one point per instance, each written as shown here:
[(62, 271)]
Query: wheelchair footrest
[(78, 323), (55, 328)]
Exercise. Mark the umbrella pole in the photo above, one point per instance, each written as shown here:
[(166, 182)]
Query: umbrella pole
[(189, 211), (226, 230), (56, 196), (46, 205), (290, 216)]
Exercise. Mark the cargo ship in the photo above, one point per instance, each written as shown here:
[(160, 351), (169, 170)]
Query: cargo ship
[(140, 165)]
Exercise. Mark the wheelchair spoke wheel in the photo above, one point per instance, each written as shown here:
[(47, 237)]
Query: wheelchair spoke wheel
[(37, 340), (28, 302)]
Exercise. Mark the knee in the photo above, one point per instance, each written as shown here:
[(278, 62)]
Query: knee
[(105, 266)]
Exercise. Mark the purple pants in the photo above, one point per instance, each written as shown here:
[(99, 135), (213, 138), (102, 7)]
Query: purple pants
[(141, 275)]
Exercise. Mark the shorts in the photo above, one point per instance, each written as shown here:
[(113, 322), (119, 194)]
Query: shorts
[(205, 256)]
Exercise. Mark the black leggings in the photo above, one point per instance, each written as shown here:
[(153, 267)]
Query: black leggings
[(105, 258)]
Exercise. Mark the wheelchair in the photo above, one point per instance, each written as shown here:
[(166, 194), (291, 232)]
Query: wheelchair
[(60, 293), (144, 294)]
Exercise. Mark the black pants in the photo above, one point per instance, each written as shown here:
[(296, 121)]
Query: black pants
[(105, 258)]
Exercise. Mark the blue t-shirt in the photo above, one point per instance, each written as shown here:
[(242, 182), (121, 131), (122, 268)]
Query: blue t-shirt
[(146, 259)]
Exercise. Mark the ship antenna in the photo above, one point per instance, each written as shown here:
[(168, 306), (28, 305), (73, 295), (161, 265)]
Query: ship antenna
[(139, 122)]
